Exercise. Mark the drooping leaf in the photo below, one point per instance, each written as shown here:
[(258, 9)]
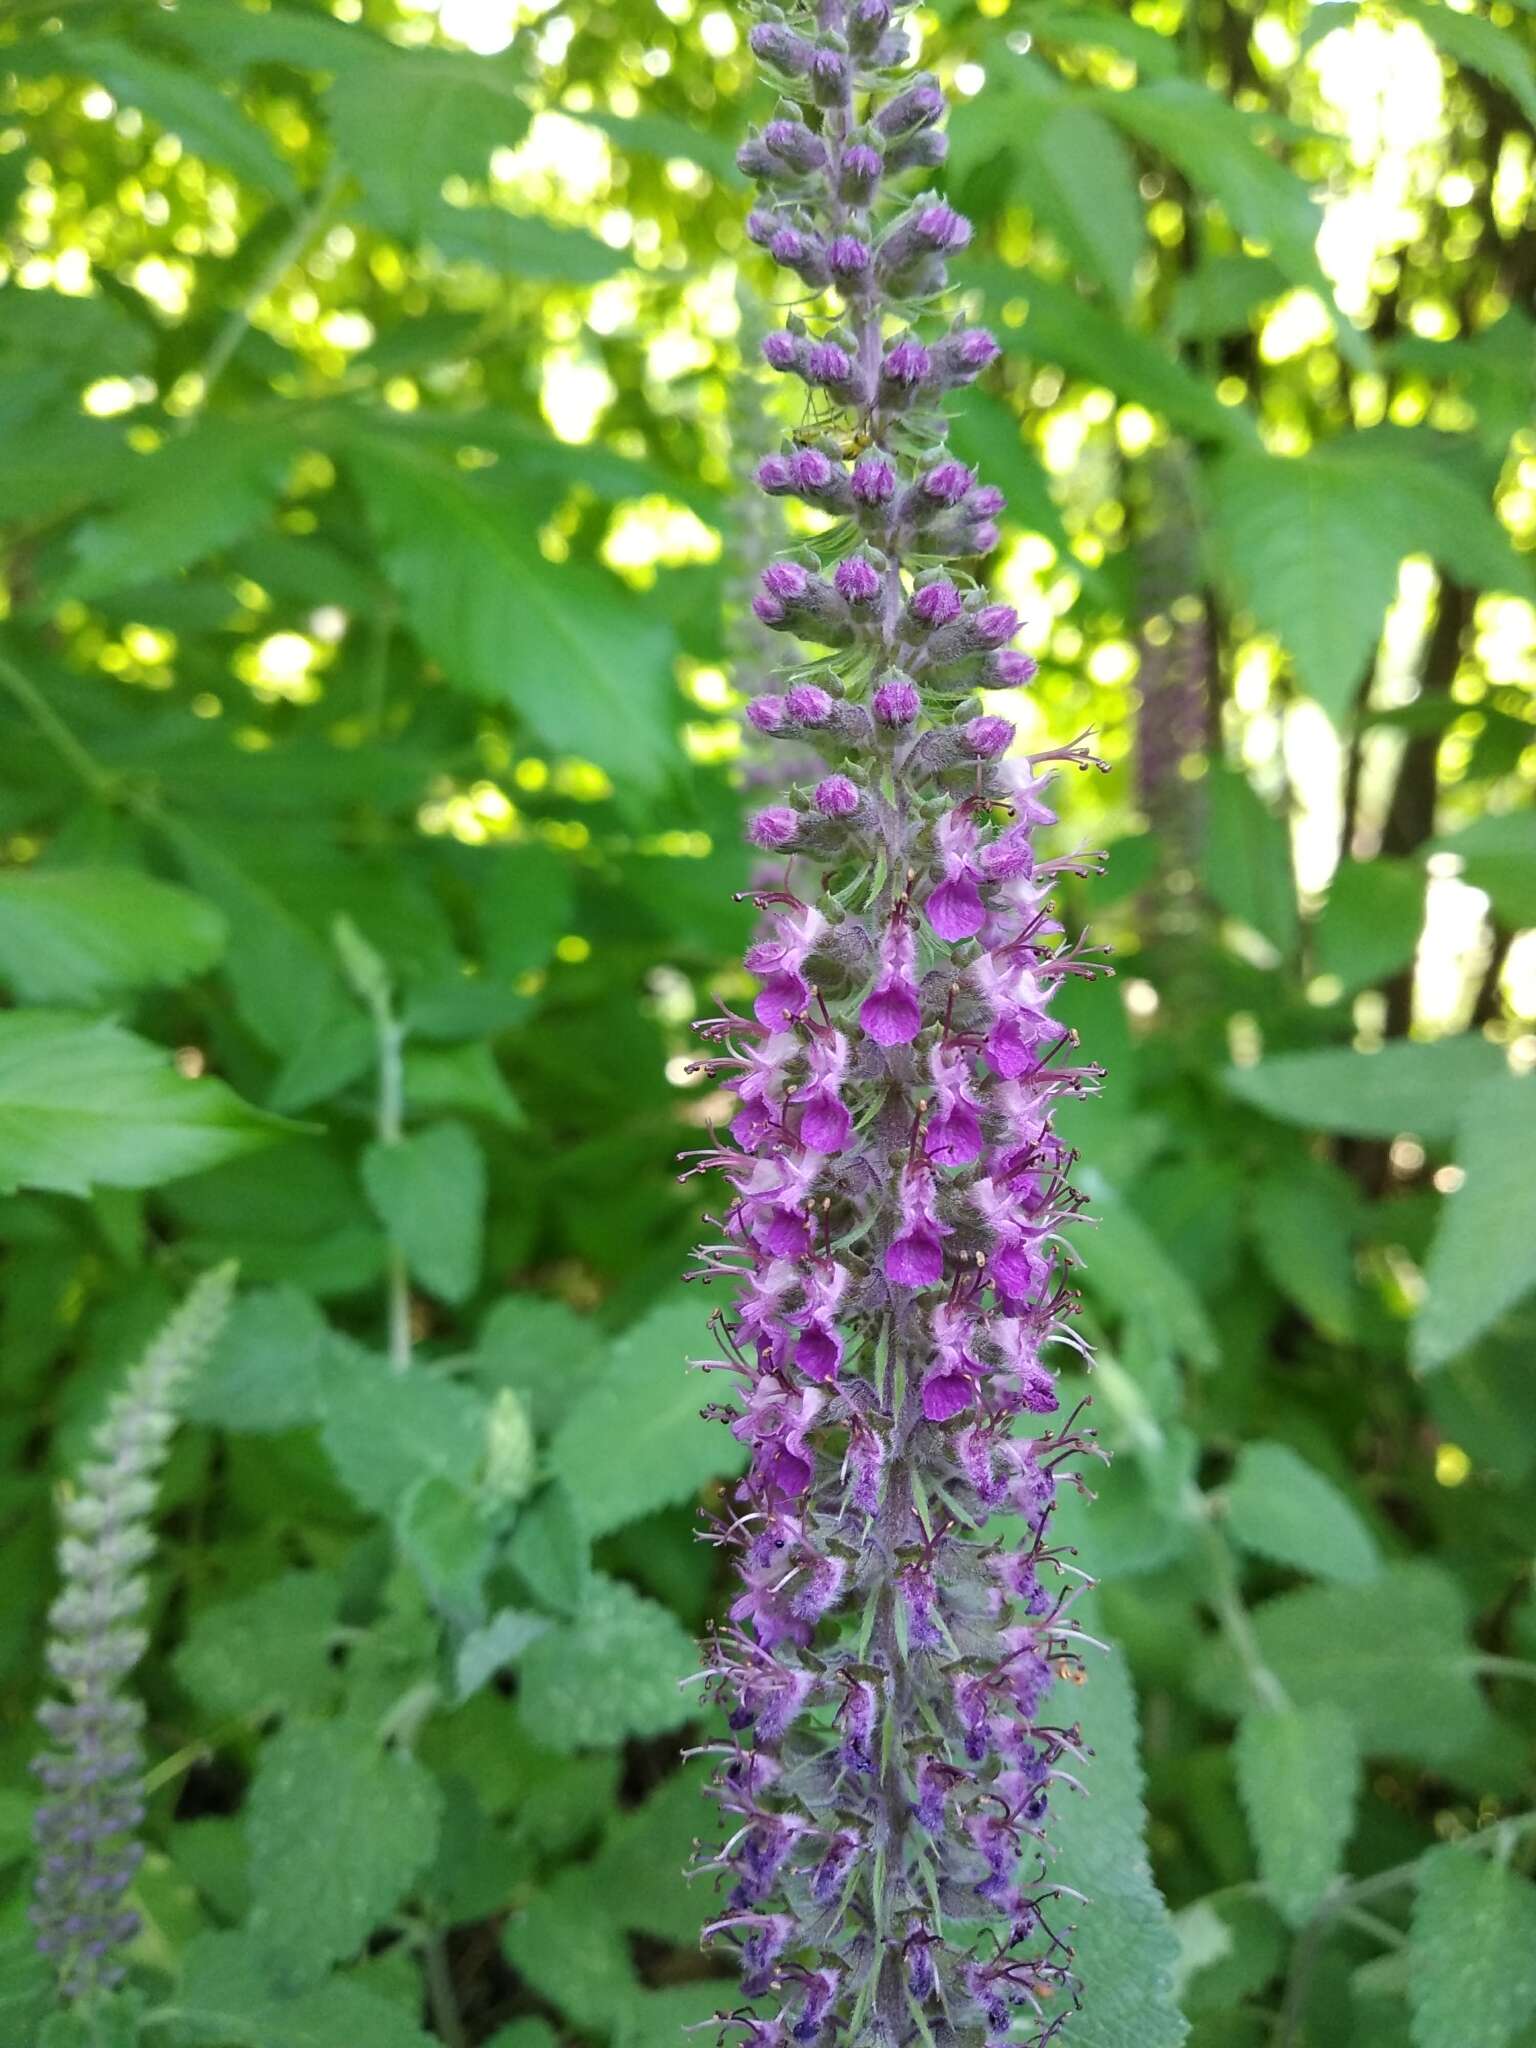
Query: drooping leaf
[(76, 935), (1402, 1087), (1370, 926), (1283, 1508), (381, 1813), (567, 1697), (1248, 861), (1297, 1775), (84, 1104), (1472, 1956), (1483, 1259), (429, 1193), (1498, 54), (503, 621), (635, 1442), (551, 1551)]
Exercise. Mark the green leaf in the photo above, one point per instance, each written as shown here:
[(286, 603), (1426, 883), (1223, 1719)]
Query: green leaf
[(569, 1951), (1061, 328), (1280, 1507), (76, 935), (446, 1537), (519, 245), (429, 1192), (1478, 45), (1222, 295), (1392, 1655), (638, 1876), (205, 121), (485, 1651), (543, 1351), (1298, 1774), (659, 135), (1125, 1264), (456, 109), (635, 1441), (1498, 853), (228, 2000), (462, 1077), (1472, 1952), (383, 1430), (266, 1650), (502, 620), (1095, 28), (1402, 1087), (1248, 861), (1483, 1259), (1125, 1945), (1370, 926), (380, 1812), (1305, 545), (567, 1696), (1213, 143), (85, 1104), (264, 1372), (550, 1550), (1302, 1223)]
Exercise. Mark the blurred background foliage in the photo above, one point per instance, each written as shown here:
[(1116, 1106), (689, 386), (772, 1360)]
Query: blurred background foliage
[(375, 386)]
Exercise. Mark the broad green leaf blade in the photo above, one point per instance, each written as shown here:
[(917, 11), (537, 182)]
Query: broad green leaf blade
[(85, 1104), (264, 1372), (541, 1349), (1124, 1263), (266, 1650), (1303, 1223), (1393, 1655), (228, 1999), (506, 624), (635, 1441), (384, 1431), (1248, 861), (1403, 1087), (381, 1812), (1222, 296), (639, 1876), (1298, 1775), (521, 245), (429, 1192), (551, 1552), (1125, 1942), (660, 135), (1483, 1259), (1213, 143), (1280, 1507), (1472, 1952), (1058, 327), (444, 1532), (487, 1650), (1498, 853), (1478, 45), (1304, 544), (455, 108), (209, 124), (74, 935), (569, 1950), (569, 1694), (1370, 926)]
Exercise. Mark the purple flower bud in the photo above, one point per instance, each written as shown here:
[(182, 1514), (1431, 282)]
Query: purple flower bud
[(896, 702), (859, 174), (848, 258), (907, 364), (795, 145), (936, 604), (766, 713), (772, 43), (762, 226), (788, 247), (808, 705), (948, 483), (858, 581), (829, 77), (1010, 670), (941, 228), (869, 22), (827, 364), (873, 481), (995, 624), (776, 475), (773, 828), (962, 356), (921, 103), (986, 501), (769, 610), (785, 581), (836, 797), (810, 472), (781, 351), (987, 738)]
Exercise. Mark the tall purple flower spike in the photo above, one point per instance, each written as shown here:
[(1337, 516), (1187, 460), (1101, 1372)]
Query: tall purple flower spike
[(87, 1828), (897, 1194)]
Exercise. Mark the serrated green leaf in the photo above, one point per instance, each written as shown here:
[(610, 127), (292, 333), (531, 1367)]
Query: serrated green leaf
[(264, 1372), (75, 935), (1125, 1264), (550, 1550), (381, 1813), (1483, 1259), (443, 1532), (486, 606), (266, 1650), (1393, 1655), (1280, 1507), (85, 1104), (462, 1077), (571, 1952), (567, 1697), (638, 1875), (383, 1431), (1472, 1953), (428, 1190), (635, 1442), (485, 1651), (1402, 1087), (1298, 1774), (227, 1999)]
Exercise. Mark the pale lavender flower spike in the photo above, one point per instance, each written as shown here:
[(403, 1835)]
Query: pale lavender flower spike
[(897, 1195), (87, 1829)]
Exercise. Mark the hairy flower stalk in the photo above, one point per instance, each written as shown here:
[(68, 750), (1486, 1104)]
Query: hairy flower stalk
[(86, 1830), (897, 1193)]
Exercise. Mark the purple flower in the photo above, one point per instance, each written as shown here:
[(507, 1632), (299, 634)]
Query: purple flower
[(781, 351), (895, 1197), (1011, 670)]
